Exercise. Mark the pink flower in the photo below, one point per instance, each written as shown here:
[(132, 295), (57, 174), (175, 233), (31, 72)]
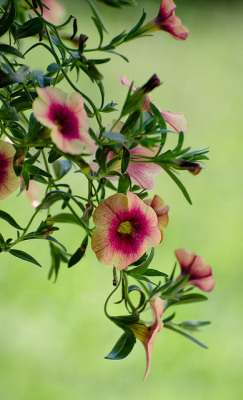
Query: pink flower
[(9, 182), (125, 228), (65, 116), (141, 174), (147, 334), (200, 274), (56, 12), (175, 120), (168, 21), (161, 210)]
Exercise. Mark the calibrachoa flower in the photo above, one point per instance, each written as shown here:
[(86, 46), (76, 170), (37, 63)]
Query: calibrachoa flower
[(141, 174), (175, 119), (161, 210), (200, 274), (125, 228), (65, 116), (147, 334), (9, 182), (167, 21)]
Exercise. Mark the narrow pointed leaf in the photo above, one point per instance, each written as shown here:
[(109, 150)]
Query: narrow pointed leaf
[(24, 256)]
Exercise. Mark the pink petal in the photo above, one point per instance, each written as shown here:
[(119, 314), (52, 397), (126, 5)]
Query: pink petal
[(163, 221), (199, 269), (126, 81), (174, 26), (104, 213), (206, 284), (175, 119), (142, 174), (9, 182), (158, 205), (185, 259), (166, 9)]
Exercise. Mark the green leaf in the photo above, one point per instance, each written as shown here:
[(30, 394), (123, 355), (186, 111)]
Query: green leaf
[(159, 116), (55, 261), (177, 181), (24, 256), (9, 114), (79, 253), (97, 16), (125, 320), (66, 218), (7, 18), (169, 318), (118, 54), (10, 50), (10, 220), (53, 67), (185, 335), (33, 170), (154, 272), (134, 31), (125, 160), (191, 298), (30, 28), (55, 241), (141, 269), (122, 348), (192, 326), (61, 168), (124, 183), (53, 155), (115, 137)]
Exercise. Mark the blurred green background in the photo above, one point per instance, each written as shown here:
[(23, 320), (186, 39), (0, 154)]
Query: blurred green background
[(53, 337)]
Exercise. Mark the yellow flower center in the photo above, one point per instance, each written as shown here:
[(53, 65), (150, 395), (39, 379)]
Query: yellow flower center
[(125, 227)]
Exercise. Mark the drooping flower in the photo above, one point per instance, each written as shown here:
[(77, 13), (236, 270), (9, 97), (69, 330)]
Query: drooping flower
[(65, 116), (125, 228), (141, 174), (175, 119), (167, 21), (9, 182), (200, 274), (147, 334), (161, 210)]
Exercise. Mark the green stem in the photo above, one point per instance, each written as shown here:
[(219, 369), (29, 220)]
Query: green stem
[(127, 298), (110, 295)]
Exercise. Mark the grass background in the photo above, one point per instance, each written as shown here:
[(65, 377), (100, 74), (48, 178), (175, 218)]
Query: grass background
[(53, 337)]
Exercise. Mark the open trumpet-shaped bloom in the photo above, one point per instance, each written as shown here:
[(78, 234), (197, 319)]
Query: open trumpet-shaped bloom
[(200, 274), (9, 182), (65, 116), (125, 228), (147, 334), (175, 119), (161, 210), (168, 21)]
